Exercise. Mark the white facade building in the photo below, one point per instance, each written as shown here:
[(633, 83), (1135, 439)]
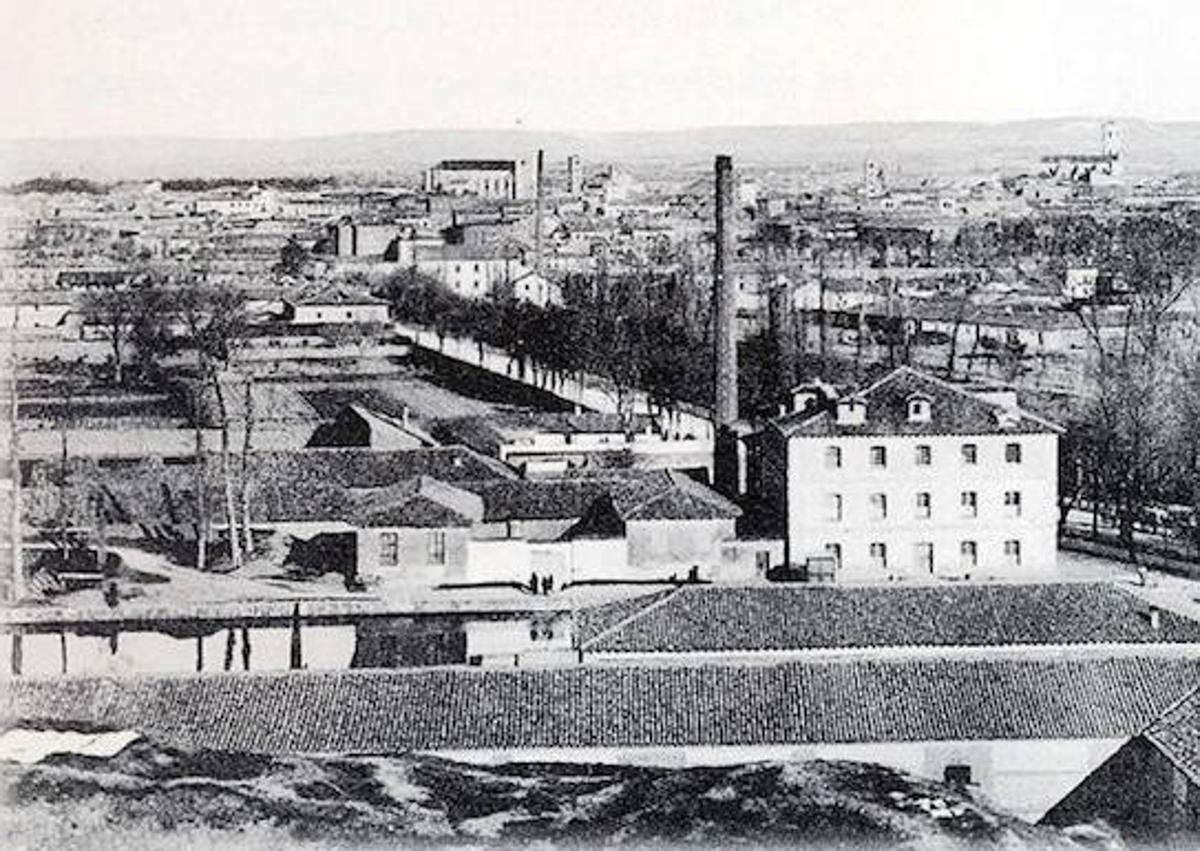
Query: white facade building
[(496, 179), (913, 478)]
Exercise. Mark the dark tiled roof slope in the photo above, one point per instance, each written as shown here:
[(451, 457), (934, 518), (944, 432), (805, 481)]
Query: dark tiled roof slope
[(536, 499), (668, 495), (626, 706), (1177, 734), (593, 621), (715, 619), (365, 468), (953, 412)]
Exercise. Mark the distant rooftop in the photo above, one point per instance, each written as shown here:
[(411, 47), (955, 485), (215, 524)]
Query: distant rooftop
[(477, 165), (747, 620)]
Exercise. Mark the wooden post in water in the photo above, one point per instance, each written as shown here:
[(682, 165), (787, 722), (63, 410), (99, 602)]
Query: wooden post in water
[(245, 648), (297, 656), (18, 654)]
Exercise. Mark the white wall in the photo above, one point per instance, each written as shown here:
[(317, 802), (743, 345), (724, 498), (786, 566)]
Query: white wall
[(1036, 478)]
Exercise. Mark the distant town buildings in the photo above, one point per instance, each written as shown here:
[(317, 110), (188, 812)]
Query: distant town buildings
[(492, 179)]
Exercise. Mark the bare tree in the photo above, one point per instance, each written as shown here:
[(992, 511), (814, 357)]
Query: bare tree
[(216, 321)]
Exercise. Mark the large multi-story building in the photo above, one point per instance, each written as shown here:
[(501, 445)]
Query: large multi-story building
[(913, 478), (497, 179)]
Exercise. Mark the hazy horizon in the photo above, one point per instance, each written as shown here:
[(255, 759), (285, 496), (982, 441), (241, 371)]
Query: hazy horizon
[(294, 69), (620, 131)]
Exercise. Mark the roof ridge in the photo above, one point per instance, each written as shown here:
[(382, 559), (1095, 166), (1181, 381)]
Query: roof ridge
[(943, 383), (625, 621)]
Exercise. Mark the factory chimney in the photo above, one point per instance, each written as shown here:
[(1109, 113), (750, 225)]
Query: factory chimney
[(539, 195), (725, 409)]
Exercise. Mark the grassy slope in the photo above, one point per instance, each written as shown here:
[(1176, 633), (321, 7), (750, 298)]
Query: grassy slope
[(151, 797)]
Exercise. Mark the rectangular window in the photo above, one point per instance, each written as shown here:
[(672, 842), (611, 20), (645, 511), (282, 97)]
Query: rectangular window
[(834, 551), (970, 453), (968, 556), (970, 504), (878, 503), (879, 556), (834, 508), (1012, 453), (924, 455), (923, 557), (924, 506), (957, 775), (833, 457), (878, 456), (1012, 503), (437, 547), (389, 549), (1012, 553)]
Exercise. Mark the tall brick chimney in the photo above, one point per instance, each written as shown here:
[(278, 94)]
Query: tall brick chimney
[(725, 408), (538, 211)]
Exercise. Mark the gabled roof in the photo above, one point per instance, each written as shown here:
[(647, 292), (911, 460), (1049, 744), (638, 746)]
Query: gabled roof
[(536, 499), (749, 620), (795, 703), (421, 502), (1176, 734), (669, 495), (954, 411)]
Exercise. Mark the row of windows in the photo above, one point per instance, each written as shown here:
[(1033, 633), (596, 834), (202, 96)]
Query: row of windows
[(389, 548), (922, 455), (922, 555), (923, 507)]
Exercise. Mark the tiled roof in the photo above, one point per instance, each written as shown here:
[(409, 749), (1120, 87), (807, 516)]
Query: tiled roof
[(724, 619), (953, 411), (489, 433), (333, 295), (309, 485), (593, 621), (625, 706), (422, 502), (536, 499), (365, 468), (668, 495), (635, 494), (1177, 734)]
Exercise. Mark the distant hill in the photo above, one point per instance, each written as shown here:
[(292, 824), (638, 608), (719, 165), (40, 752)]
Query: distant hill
[(915, 148)]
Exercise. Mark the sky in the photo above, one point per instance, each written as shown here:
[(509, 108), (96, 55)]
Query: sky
[(283, 68)]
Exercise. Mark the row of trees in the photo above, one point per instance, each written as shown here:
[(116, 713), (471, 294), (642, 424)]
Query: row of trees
[(1131, 443), (158, 316), (649, 332)]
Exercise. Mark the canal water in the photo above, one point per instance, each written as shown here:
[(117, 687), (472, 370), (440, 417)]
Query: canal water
[(274, 644)]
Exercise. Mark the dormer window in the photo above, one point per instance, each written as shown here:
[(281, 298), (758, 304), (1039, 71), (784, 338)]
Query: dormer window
[(920, 410), (851, 412)]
